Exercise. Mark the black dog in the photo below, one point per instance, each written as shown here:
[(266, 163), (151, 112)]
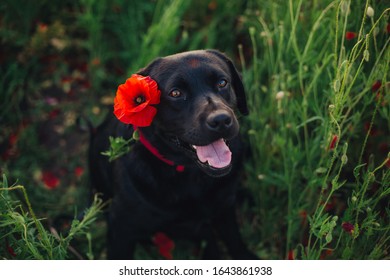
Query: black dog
[(191, 192)]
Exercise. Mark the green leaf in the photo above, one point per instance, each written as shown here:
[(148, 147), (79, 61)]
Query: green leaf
[(118, 147), (356, 170)]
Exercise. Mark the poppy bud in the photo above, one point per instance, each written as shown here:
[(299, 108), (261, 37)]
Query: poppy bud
[(280, 95), (344, 159), (370, 11)]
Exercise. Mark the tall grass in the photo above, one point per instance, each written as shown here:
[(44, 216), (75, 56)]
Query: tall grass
[(310, 94), (129, 35), (25, 236)]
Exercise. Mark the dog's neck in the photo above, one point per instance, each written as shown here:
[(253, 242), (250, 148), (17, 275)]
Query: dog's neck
[(152, 149)]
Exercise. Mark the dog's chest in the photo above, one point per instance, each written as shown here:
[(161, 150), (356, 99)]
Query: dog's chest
[(192, 194)]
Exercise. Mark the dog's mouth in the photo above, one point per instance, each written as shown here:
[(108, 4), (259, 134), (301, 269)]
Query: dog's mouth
[(215, 159)]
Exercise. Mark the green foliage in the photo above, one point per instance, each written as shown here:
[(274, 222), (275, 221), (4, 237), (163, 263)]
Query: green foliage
[(311, 91), (24, 234), (118, 147)]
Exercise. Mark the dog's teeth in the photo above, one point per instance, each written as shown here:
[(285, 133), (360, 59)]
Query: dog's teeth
[(193, 146)]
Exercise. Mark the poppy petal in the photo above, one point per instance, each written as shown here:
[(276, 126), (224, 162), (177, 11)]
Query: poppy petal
[(126, 106), (144, 119)]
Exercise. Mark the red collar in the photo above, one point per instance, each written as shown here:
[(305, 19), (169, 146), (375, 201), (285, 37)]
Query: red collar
[(156, 153)]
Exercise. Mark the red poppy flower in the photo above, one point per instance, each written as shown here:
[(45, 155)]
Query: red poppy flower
[(10, 249), (303, 215), (13, 138), (350, 35), (377, 85), (164, 244), (11, 150), (291, 255), (50, 180), (42, 28), (348, 227), (134, 100), (333, 143), (79, 171), (326, 253), (54, 113)]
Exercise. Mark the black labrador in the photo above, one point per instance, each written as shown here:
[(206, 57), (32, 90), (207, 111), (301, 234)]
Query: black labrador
[(186, 186)]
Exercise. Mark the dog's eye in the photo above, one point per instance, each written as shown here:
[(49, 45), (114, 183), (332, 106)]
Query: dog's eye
[(221, 83), (175, 93)]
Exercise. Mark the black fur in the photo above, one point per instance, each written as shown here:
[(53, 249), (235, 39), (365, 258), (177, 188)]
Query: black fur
[(151, 196)]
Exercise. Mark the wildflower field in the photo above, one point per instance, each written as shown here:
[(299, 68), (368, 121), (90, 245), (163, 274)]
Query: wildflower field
[(316, 73)]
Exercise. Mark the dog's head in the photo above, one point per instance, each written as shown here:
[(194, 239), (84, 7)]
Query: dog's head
[(200, 93)]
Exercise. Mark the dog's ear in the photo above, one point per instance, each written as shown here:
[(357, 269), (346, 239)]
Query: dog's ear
[(237, 83), (146, 71)]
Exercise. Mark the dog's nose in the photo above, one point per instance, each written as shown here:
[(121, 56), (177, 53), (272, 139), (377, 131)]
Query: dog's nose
[(219, 121)]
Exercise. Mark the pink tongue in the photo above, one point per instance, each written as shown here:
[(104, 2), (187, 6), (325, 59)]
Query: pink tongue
[(217, 154)]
